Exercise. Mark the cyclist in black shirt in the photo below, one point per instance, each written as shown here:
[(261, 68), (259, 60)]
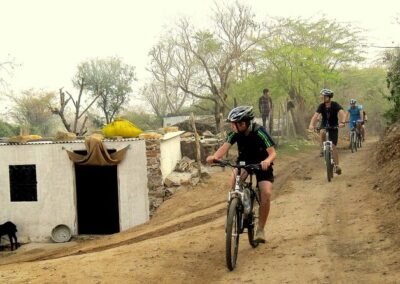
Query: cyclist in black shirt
[(254, 146), (330, 112)]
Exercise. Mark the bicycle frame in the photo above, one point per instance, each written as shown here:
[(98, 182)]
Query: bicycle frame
[(238, 188)]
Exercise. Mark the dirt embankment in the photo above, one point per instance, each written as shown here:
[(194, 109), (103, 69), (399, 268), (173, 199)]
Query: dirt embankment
[(387, 157), (345, 231)]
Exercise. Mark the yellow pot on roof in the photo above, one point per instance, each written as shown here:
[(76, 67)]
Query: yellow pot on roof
[(121, 127)]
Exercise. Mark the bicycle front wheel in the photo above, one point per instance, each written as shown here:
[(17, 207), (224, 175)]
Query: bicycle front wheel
[(353, 142), (252, 218), (329, 166), (232, 233)]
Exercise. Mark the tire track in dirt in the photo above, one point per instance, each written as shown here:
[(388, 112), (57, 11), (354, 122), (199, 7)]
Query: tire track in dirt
[(101, 244)]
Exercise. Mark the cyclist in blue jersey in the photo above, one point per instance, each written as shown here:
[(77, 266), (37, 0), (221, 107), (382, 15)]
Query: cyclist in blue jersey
[(355, 113), (255, 146)]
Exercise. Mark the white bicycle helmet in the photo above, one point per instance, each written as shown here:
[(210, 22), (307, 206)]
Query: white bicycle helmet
[(353, 101), (241, 113), (326, 92)]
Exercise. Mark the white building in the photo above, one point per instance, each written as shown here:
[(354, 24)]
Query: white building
[(40, 188)]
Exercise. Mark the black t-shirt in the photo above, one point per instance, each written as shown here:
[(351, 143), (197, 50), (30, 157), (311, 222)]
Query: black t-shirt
[(252, 147), (329, 115)]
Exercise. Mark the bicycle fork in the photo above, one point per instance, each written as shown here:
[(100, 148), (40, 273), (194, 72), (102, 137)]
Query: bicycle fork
[(239, 195)]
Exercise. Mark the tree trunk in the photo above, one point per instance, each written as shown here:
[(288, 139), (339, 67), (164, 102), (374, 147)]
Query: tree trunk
[(271, 119), (297, 112), (198, 150), (217, 116)]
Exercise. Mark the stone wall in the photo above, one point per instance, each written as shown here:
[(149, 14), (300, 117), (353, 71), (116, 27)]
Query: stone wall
[(207, 147), (154, 175)]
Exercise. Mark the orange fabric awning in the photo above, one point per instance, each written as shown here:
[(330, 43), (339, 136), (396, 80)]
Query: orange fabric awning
[(97, 154)]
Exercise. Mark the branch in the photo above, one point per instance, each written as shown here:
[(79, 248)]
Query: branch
[(83, 126)]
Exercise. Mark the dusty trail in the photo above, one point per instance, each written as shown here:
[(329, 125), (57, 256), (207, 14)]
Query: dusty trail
[(318, 232)]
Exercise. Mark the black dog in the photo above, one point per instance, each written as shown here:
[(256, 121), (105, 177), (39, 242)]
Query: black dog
[(9, 229)]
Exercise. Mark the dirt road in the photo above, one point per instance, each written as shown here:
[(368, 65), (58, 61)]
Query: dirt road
[(318, 232)]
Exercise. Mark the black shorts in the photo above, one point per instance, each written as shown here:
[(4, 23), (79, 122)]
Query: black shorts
[(265, 175), (333, 135)]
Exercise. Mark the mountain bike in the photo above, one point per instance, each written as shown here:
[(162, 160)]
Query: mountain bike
[(328, 153), (355, 136), (242, 211)]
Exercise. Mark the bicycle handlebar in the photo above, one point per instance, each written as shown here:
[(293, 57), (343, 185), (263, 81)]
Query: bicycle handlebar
[(224, 163), (354, 121), (327, 127)]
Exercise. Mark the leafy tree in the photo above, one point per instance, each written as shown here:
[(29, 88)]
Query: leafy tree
[(108, 79), (306, 56), (143, 120), (32, 109), (393, 83), (7, 130), (368, 87)]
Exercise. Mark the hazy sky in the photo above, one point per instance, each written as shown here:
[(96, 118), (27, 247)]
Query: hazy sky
[(49, 38)]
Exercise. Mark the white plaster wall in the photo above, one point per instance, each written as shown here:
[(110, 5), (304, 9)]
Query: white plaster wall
[(170, 149), (132, 183), (56, 196)]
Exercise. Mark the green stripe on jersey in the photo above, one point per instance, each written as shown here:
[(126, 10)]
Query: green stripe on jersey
[(265, 138), (230, 136)]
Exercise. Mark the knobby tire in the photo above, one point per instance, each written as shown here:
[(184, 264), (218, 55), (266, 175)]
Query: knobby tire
[(353, 141), (359, 141), (251, 220), (329, 166), (232, 233)]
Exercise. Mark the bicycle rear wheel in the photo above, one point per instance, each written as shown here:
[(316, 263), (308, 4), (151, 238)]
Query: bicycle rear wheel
[(355, 141), (359, 140), (232, 233)]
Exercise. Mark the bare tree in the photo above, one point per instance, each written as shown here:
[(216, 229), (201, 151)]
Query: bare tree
[(78, 112), (163, 93), (217, 54), (6, 68), (152, 94), (201, 63)]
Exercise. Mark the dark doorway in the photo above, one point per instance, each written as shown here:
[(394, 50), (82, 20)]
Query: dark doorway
[(97, 199)]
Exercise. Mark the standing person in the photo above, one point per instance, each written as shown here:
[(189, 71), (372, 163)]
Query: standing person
[(265, 105), (355, 113), (330, 112), (254, 146)]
